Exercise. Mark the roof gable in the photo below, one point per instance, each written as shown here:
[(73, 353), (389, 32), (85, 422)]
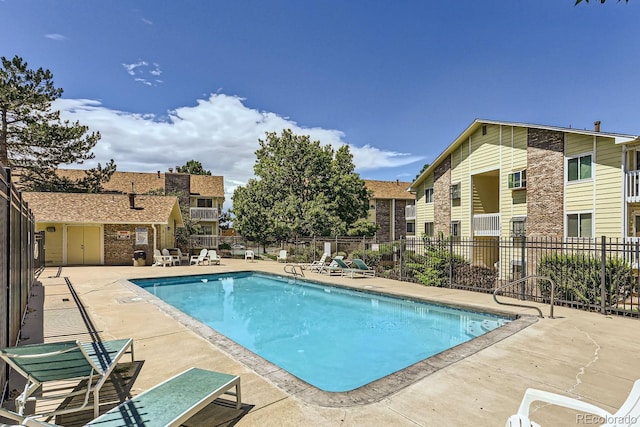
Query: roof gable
[(389, 189), (476, 124)]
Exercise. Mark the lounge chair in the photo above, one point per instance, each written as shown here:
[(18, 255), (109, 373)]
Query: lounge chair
[(627, 415), (315, 265), (358, 269), (199, 259), (249, 255), (169, 403), (282, 256), (159, 259), (212, 257), (336, 266), (68, 360), (175, 259)]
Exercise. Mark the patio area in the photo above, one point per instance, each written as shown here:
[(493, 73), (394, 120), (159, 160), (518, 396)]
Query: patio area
[(583, 355)]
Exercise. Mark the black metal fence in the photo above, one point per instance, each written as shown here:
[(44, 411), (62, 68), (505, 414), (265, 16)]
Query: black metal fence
[(20, 256), (592, 274)]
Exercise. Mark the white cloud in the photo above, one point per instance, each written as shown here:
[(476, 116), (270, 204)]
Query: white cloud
[(142, 70), (220, 132), (55, 36), (147, 21)]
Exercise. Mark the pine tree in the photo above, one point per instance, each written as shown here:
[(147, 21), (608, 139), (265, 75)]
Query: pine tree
[(34, 140)]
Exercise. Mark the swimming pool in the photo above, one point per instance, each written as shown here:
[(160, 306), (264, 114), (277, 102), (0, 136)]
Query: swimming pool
[(332, 338)]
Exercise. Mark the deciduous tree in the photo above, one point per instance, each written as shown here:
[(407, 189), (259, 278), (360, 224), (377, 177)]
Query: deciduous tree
[(193, 167), (302, 188)]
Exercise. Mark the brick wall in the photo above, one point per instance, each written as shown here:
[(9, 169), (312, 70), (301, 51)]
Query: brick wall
[(120, 252), (442, 198), (178, 182), (400, 219), (545, 183), (383, 219)]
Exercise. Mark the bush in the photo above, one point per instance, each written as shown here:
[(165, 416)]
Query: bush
[(371, 258), (577, 278)]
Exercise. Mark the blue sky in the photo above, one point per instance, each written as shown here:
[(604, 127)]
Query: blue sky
[(169, 81)]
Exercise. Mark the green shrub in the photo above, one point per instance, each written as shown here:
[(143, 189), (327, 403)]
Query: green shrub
[(578, 278)]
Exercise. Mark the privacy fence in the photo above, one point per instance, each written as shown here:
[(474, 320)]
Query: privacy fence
[(592, 274), (21, 253)]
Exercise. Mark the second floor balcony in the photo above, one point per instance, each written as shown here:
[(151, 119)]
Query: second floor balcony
[(410, 212), (632, 186), (486, 224), (204, 214)]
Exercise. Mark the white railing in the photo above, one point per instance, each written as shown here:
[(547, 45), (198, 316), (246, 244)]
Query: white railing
[(410, 212), (204, 241), (486, 224), (207, 214), (633, 186)]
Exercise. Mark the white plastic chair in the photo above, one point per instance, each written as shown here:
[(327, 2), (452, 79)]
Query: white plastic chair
[(627, 415), (248, 255)]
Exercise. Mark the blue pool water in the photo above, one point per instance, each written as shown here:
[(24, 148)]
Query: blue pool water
[(335, 339)]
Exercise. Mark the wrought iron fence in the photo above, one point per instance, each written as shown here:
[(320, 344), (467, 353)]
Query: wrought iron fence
[(18, 261), (593, 274)]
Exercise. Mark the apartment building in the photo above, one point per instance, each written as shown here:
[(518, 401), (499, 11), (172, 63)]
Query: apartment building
[(202, 194), (392, 208), (503, 179)]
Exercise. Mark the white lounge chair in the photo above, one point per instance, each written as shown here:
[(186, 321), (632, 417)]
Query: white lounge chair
[(199, 259), (175, 259), (627, 415), (159, 259), (315, 265), (213, 257), (282, 256)]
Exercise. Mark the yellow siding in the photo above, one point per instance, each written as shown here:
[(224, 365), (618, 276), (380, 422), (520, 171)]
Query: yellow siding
[(608, 189), (577, 144), (485, 149), (514, 158), (52, 242), (424, 211)]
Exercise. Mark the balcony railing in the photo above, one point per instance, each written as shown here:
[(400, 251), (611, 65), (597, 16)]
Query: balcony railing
[(410, 212), (486, 224), (206, 214), (204, 241), (633, 186)]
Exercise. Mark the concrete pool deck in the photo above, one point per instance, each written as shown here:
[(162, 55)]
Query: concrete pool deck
[(583, 355)]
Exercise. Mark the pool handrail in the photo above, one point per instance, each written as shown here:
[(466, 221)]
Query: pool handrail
[(293, 270), (523, 279)]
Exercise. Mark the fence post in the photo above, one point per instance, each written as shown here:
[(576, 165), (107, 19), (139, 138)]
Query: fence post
[(400, 257), (603, 276), (523, 270), (451, 261)]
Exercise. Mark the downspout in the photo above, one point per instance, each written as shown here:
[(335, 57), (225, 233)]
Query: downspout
[(393, 220)]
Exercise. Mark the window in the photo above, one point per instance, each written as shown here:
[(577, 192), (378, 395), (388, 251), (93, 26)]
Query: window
[(204, 203), (579, 168), (579, 225), (428, 229), (455, 228), (428, 195), (484, 129), (455, 191), (411, 227), (517, 180), (518, 226)]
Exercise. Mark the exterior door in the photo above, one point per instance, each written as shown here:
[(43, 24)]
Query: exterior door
[(83, 245)]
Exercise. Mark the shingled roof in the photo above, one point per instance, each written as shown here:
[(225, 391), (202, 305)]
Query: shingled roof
[(143, 182), (101, 208), (389, 189)]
